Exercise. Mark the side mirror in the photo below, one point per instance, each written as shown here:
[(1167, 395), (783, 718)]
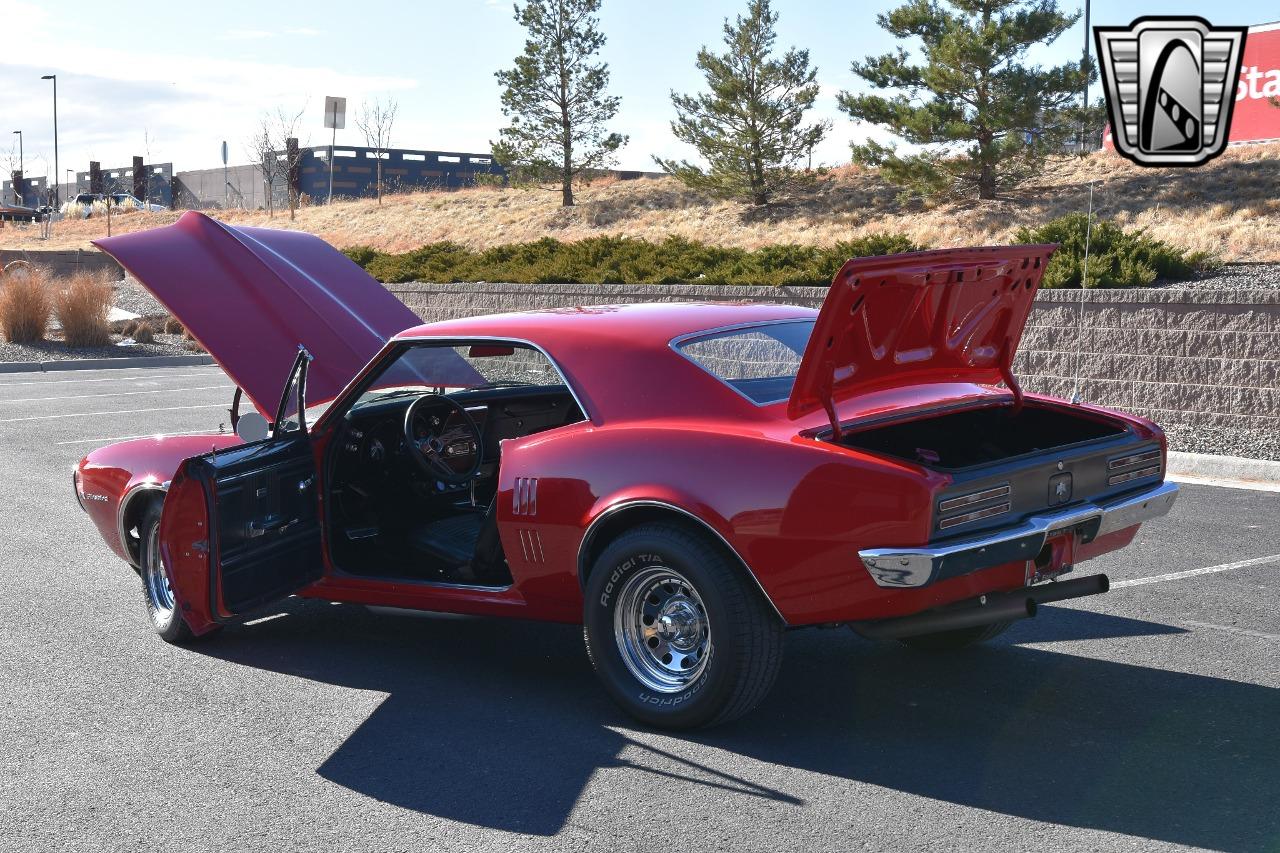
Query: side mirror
[(252, 427)]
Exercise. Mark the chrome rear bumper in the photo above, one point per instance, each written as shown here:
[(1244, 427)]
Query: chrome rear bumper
[(917, 567)]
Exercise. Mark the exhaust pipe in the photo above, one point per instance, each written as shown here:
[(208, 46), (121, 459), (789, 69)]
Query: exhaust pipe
[(1062, 590), (1003, 608), (984, 610)]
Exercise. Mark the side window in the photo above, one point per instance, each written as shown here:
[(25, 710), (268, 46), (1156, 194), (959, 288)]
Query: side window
[(291, 412), (745, 355), (759, 362)]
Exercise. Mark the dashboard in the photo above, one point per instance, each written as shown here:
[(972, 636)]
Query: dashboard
[(372, 462)]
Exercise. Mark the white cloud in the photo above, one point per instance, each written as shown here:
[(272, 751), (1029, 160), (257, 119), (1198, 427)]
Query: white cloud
[(186, 102), (308, 32)]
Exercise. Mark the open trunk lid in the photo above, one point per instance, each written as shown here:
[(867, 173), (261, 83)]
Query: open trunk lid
[(950, 315), (251, 296)]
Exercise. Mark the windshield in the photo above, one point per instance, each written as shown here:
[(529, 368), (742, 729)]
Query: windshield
[(442, 369), (759, 362)]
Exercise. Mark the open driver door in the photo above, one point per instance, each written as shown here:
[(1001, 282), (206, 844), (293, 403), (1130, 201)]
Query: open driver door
[(241, 527)]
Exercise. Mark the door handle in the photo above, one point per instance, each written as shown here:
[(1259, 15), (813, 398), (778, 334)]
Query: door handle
[(270, 524)]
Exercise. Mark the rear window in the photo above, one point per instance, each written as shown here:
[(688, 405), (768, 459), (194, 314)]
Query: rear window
[(759, 362)]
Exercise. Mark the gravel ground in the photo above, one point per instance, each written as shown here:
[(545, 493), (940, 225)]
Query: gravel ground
[(1233, 277), (58, 351), (131, 296), (1223, 441)]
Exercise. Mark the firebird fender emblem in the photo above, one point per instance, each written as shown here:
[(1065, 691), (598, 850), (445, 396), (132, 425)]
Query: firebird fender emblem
[(91, 496)]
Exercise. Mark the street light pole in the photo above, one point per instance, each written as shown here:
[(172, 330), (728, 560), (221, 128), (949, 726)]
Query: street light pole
[(22, 170), (1084, 106), (54, 78)]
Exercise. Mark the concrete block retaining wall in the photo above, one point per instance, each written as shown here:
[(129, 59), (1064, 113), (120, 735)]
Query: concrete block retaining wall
[(1205, 364), (68, 262)]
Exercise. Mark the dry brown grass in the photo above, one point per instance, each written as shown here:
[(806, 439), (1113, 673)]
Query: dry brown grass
[(1227, 207), (81, 305), (143, 333), (24, 304)]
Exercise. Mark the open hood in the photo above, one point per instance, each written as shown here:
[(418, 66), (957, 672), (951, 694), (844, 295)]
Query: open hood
[(251, 296), (951, 315)]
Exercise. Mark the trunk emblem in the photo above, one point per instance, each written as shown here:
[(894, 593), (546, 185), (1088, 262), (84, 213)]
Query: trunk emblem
[(1059, 489)]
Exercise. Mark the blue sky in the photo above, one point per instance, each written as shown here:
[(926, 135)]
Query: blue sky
[(170, 81)]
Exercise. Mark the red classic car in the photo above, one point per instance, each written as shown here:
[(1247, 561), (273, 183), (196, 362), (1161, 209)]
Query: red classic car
[(685, 480)]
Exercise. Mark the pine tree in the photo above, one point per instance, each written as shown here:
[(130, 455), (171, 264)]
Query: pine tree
[(555, 97), (750, 126), (989, 118)]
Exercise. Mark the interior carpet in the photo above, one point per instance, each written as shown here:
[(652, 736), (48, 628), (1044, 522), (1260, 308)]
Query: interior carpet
[(451, 540)]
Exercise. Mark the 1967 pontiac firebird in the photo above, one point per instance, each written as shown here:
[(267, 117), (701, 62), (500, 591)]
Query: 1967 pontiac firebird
[(686, 481)]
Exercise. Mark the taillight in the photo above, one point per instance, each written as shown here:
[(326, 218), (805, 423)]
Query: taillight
[(1133, 466), (974, 506)]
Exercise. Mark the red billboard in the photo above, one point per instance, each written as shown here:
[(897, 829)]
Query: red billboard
[(1257, 112)]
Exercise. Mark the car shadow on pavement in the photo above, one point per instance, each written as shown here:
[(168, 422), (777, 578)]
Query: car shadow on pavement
[(501, 724)]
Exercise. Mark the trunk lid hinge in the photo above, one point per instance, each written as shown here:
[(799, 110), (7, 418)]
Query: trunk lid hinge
[(1010, 381), (825, 391)]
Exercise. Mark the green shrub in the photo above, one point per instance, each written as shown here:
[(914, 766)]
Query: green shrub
[(622, 260), (1116, 258)]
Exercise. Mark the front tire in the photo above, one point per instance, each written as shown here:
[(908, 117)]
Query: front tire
[(157, 591), (678, 635)]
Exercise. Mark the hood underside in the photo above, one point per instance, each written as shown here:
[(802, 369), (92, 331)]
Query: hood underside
[(951, 315), (252, 296)]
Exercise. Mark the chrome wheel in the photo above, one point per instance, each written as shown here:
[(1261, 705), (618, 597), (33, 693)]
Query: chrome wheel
[(662, 630), (156, 581)]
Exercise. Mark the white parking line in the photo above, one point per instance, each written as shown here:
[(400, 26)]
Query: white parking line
[(119, 394), (1232, 629), (116, 412), (127, 437), (128, 377), (1190, 573)]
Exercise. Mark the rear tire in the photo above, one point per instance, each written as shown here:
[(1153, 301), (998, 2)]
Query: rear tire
[(678, 635), (157, 590), (945, 641)]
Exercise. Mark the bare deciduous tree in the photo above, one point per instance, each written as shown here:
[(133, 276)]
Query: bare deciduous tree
[(10, 159), (262, 150), (269, 148), (376, 122)]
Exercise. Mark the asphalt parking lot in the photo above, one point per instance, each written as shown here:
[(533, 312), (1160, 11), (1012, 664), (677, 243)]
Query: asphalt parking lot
[(1142, 719)]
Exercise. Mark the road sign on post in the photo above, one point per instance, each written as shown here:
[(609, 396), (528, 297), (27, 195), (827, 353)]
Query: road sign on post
[(335, 117)]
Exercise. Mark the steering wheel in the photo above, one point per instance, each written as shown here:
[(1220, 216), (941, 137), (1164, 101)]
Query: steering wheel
[(447, 448)]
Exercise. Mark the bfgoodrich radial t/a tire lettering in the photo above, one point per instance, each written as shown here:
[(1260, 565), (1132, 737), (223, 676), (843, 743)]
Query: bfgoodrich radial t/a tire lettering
[(679, 636)]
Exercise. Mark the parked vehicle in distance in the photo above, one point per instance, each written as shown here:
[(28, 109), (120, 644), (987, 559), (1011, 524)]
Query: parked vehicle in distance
[(687, 481), (83, 204), (20, 213)]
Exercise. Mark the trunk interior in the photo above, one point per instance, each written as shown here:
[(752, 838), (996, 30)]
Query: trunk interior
[(972, 437)]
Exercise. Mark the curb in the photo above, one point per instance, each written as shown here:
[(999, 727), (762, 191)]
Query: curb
[(1231, 471), (105, 363)]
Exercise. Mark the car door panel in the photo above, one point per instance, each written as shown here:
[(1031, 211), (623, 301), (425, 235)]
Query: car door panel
[(265, 522)]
